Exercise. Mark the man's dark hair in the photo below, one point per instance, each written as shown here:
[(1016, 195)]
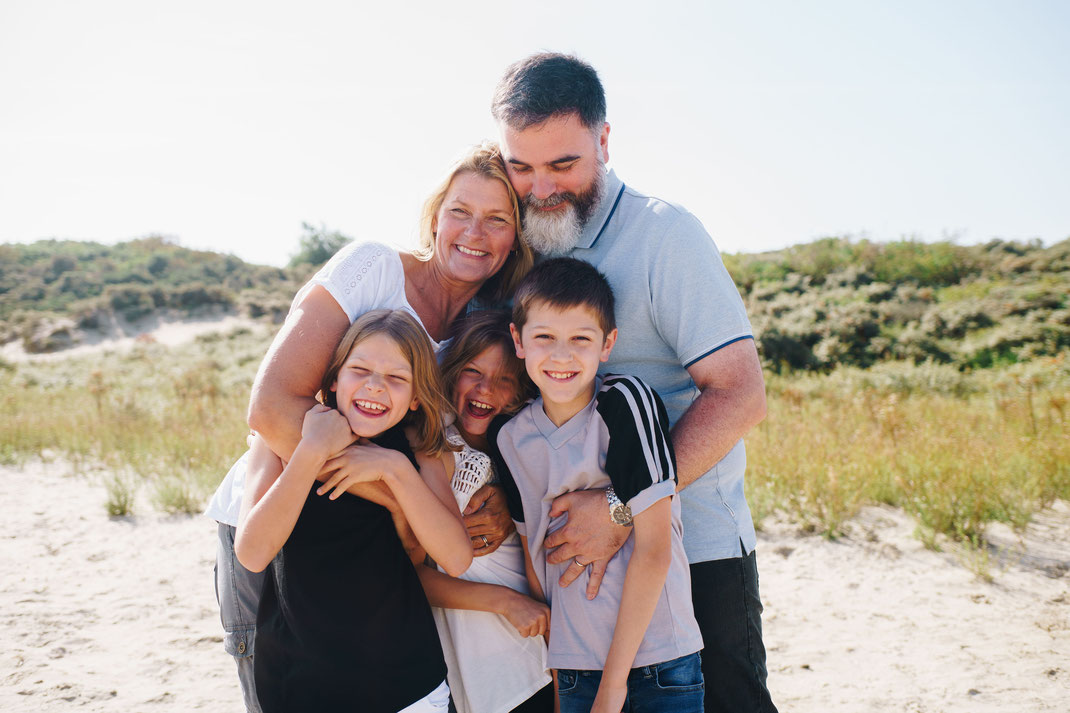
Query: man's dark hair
[(548, 85), (565, 282)]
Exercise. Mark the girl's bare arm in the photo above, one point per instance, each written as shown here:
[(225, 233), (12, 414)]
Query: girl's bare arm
[(424, 499), (529, 617), (274, 495), (431, 511)]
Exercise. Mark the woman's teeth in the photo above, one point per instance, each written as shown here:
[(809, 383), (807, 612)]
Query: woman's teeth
[(469, 251)]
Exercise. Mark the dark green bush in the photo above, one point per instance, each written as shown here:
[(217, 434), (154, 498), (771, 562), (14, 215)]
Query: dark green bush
[(838, 302)]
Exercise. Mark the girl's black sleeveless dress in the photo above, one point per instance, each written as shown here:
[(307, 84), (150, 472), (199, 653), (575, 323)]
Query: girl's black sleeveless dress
[(343, 623)]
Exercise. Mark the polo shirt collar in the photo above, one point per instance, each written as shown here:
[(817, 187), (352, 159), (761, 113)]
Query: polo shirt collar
[(597, 223), (559, 436)]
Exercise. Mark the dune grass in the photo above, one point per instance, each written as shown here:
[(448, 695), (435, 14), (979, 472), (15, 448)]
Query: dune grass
[(958, 450), (171, 420)]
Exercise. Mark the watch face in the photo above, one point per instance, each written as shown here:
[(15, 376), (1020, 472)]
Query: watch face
[(622, 515)]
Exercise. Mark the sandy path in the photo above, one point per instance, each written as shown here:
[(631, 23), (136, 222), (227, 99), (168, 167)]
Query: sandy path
[(153, 330), (120, 615)]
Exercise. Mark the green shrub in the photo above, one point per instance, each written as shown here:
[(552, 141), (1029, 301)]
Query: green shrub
[(317, 245)]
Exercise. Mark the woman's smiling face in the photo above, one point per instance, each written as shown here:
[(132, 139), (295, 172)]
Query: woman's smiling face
[(475, 228), (483, 390), (374, 386)]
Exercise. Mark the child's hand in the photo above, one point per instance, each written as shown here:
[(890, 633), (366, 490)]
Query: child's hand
[(326, 430), (609, 699), (531, 618), (361, 462)]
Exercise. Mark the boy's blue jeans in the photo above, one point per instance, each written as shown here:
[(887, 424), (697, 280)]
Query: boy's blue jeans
[(670, 687)]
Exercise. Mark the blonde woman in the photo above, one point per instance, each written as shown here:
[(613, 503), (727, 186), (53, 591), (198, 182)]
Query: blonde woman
[(469, 246)]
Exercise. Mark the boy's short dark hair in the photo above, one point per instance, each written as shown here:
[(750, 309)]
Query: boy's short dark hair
[(564, 282), (548, 85)]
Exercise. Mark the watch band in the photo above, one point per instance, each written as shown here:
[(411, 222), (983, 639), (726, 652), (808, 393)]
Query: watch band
[(619, 513)]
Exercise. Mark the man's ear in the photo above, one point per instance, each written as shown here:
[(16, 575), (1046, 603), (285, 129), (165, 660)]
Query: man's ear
[(607, 345), (516, 341), (603, 142)]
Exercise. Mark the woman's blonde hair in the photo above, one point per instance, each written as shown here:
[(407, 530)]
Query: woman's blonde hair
[(476, 333), (414, 344), (483, 160)]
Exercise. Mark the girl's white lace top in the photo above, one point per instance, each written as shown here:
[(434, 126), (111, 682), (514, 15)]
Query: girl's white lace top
[(472, 469)]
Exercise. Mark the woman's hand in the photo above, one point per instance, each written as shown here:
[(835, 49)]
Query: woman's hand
[(487, 516), (325, 430), (531, 618), (361, 462)]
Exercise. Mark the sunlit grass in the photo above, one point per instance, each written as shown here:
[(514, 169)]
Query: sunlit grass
[(167, 420), (957, 450)]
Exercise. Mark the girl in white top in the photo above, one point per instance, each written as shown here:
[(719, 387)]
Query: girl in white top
[(491, 631)]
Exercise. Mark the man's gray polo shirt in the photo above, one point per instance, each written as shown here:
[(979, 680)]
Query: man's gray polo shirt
[(675, 305)]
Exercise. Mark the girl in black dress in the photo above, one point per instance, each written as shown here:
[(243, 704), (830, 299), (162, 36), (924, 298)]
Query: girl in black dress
[(343, 622)]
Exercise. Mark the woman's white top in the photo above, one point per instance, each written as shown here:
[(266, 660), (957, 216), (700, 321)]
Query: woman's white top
[(361, 277), (492, 668)]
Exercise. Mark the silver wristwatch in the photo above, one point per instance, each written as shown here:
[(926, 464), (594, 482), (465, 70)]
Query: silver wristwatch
[(619, 513)]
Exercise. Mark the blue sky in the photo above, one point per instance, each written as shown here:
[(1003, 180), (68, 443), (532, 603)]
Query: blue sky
[(227, 124)]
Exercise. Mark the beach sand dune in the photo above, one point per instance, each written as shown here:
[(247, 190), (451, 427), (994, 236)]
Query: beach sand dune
[(105, 614)]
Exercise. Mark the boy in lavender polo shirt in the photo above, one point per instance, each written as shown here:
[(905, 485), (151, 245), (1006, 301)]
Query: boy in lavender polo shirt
[(636, 644)]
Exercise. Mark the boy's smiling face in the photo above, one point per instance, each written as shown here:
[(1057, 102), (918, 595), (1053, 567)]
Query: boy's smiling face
[(561, 349)]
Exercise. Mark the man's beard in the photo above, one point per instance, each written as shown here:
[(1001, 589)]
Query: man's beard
[(557, 232)]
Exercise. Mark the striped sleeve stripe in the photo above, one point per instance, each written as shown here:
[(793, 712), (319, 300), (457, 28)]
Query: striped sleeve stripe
[(644, 410)]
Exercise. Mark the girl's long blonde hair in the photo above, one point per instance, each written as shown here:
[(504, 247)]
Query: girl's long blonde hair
[(406, 332)]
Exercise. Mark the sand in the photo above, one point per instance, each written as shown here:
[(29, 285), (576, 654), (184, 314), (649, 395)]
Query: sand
[(105, 614), (123, 336)]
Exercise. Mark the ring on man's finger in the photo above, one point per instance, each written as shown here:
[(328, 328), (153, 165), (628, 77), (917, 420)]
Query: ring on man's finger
[(486, 542), (577, 563)]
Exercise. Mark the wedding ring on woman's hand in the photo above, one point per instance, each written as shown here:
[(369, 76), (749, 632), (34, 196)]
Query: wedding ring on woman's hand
[(486, 542)]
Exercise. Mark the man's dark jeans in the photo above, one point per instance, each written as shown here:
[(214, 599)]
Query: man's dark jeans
[(729, 614)]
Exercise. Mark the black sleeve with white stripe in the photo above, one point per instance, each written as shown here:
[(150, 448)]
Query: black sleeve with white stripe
[(640, 452)]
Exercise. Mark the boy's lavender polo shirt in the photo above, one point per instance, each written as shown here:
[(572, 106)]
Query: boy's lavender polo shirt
[(676, 304)]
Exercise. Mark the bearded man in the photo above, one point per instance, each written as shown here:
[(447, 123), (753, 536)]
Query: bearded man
[(683, 330)]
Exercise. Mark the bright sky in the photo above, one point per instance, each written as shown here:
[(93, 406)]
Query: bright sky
[(226, 124)]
